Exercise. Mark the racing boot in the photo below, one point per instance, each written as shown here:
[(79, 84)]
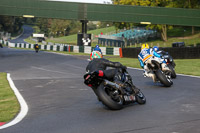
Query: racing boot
[(151, 75), (165, 67)]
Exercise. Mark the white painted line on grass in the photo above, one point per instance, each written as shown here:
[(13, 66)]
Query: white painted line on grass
[(22, 102), (189, 76)]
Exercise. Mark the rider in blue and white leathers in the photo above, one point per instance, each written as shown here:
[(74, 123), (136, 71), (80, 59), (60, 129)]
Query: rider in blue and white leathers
[(145, 57)]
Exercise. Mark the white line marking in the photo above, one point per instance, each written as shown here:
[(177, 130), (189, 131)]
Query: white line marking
[(22, 102), (48, 70), (39, 68)]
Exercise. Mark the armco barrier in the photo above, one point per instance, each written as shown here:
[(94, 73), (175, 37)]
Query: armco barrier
[(69, 48), (176, 53)]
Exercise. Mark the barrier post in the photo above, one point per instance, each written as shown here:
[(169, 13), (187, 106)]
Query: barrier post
[(120, 52), (68, 48)]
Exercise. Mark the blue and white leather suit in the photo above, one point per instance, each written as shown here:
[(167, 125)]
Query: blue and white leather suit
[(146, 54)]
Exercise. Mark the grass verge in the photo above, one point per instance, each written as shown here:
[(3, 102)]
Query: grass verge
[(9, 105)]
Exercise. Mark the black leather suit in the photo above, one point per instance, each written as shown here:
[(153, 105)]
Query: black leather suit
[(101, 64)]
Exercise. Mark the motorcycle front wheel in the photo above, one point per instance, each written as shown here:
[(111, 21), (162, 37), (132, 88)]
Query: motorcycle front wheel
[(36, 50), (109, 98), (163, 78), (140, 98)]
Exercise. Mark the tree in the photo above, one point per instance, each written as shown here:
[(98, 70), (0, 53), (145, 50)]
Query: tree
[(10, 24), (43, 25), (59, 27)]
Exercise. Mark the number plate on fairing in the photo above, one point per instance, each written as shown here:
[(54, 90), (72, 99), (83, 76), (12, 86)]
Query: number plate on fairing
[(129, 98)]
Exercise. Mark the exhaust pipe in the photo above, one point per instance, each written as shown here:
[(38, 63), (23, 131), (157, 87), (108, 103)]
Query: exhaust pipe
[(114, 85)]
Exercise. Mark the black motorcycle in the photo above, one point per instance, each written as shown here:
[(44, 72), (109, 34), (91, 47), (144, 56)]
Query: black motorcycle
[(114, 94), (36, 47), (170, 62)]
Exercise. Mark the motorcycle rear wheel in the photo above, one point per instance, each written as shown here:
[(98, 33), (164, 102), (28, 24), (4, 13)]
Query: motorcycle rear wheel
[(163, 79), (106, 98), (173, 74)]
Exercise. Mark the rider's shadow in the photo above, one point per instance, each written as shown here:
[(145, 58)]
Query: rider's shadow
[(156, 84)]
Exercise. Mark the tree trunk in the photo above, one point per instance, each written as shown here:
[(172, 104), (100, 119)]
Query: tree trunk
[(193, 30), (164, 33)]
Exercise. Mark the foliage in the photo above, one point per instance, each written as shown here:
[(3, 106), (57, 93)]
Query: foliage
[(10, 24), (57, 27), (42, 23), (91, 26), (186, 3), (104, 24)]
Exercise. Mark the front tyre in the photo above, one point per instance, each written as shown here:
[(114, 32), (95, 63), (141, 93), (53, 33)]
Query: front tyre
[(163, 78), (108, 98), (140, 98)]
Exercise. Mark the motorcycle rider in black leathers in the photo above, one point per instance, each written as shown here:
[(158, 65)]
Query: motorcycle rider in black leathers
[(98, 63)]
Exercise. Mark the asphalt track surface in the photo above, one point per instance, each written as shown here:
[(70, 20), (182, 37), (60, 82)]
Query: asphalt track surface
[(59, 102), (27, 31)]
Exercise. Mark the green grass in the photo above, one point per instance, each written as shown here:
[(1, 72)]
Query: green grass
[(188, 66), (183, 66), (9, 105), (31, 41)]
